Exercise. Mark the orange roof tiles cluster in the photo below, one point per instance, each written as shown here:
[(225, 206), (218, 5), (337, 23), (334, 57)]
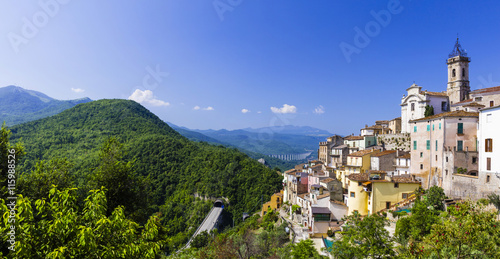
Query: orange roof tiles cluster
[(362, 152), (383, 153)]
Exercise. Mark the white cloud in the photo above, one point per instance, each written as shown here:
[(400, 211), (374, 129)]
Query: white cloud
[(245, 111), (209, 108), (259, 112), (319, 110), (285, 109), (77, 90), (147, 97)]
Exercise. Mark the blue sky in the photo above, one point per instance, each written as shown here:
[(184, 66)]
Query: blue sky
[(226, 63)]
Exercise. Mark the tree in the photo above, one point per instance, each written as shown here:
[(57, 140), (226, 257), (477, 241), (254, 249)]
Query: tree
[(10, 155), (429, 110), (364, 238), (123, 186), (38, 183), (435, 197), (57, 228), (305, 249), (201, 240), (466, 230), (495, 200)]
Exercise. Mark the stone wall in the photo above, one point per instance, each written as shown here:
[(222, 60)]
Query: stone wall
[(395, 141)]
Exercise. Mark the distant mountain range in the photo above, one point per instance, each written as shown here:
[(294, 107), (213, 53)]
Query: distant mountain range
[(19, 105), (269, 140)]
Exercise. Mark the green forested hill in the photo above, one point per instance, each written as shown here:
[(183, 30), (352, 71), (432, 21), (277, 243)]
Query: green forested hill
[(175, 167)]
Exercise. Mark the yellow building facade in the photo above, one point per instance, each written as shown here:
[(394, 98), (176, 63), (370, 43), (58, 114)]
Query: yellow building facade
[(275, 203), (371, 192)]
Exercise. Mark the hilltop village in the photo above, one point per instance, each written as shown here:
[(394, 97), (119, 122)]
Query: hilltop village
[(448, 139)]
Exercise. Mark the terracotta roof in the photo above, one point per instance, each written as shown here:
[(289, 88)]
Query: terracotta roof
[(376, 127), (462, 102), (354, 138), (486, 90), (404, 179), (434, 93), (383, 153), (398, 118), (359, 177), (279, 194), (382, 121), (406, 156), (474, 104), (449, 114), (361, 153), (290, 171), (327, 180), (365, 177), (303, 196)]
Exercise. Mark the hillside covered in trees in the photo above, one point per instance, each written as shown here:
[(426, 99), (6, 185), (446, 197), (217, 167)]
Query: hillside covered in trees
[(145, 166)]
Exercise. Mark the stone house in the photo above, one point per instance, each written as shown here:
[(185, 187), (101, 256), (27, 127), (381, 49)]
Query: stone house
[(434, 138)]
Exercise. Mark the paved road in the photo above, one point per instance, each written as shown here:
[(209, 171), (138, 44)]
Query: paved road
[(210, 221), (299, 234)]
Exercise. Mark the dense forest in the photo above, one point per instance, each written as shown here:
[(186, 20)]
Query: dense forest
[(145, 167)]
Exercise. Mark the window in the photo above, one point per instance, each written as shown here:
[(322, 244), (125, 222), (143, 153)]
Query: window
[(405, 196), (414, 128), (396, 185), (353, 195), (460, 145), (488, 163), (421, 154), (428, 127), (474, 159), (446, 159), (460, 128), (436, 158), (436, 145), (412, 106), (388, 205), (444, 106), (453, 73), (478, 99), (446, 171), (463, 72), (487, 179), (421, 166), (488, 145), (492, 103), (432, 127), (428, 145), (414, 145), (440, 125), (359, 183)]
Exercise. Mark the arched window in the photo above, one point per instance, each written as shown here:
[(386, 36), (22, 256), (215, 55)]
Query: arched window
[(453, 73), (463, 72)]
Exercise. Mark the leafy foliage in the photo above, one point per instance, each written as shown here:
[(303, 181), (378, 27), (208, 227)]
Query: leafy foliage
[(57, 228), (364, 238), (466, 230), (429, 110)]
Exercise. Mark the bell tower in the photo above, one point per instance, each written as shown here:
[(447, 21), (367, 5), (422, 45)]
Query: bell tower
[(458, 74)]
